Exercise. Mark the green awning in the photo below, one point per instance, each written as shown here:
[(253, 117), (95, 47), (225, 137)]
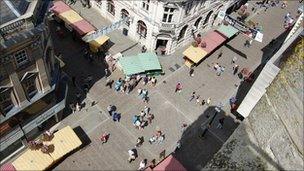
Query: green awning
[(141, 63), (227, 30)]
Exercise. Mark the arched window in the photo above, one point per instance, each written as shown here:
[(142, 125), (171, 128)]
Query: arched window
[(207, 17), (196, 24), (111, 7), (125, 14), (182, 32), (141, 29)]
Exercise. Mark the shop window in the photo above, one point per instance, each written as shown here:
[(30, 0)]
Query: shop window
[(141, 29), (29, 85), (111, 7), (6, 103), (21, 58), (196, 24)]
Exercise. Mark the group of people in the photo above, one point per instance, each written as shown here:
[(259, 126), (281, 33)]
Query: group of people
[(143, 119), (198, 101)]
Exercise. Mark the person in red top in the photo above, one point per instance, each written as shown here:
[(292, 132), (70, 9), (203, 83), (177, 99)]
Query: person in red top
[(104, 137), (178, 87)]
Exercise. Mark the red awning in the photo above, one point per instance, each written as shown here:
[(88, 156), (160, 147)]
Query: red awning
[(212, 41), (83, 27), (60, 7), (7, 167), (169, 164)]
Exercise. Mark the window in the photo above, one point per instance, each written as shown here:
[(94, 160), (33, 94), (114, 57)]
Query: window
[(111, 7), (182, 32), (29, 86), (21, 58), (6, 103), (141, 29), (125, 14), (188, 8), (168, 14), (98, 3), (145, 4), (3, 73), (196, 24)]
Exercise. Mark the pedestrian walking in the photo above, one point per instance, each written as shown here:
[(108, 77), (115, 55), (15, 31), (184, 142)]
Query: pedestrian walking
[(78, 107), (235, 69), (220, 54), (152, 139), (191, 72), (146, 110), (152, 164), (142, 115), (192, 96), (146, 80), (198, 99), (106, 72), (116, 117), (132, 155), (110, 109), (74, 81), (109, 83), (183, 127), (160, 139), (150, 117), (234, 59), (222, 69), (104, 138), (208, 101), (216, 66), (139, 141), (142, 164), (203, 102), (178, 87), (153, 81), (219, 71), (221, 123)]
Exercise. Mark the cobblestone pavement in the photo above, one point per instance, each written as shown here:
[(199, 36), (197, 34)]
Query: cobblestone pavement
[(170, 109)]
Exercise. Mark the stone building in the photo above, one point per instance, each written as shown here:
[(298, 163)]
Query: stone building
[(30, 91), (164, 24)]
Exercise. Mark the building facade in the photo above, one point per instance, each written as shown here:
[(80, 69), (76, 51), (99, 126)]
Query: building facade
[(30, 89), (165, 24)]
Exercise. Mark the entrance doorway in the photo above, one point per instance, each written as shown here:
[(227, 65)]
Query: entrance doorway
[(161, 43)]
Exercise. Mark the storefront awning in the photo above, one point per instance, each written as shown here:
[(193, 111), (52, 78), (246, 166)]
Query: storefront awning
[(59, 7), (170, 163), (141, 63), (64, 141), (70, 17), (195, 54), (33, 160), (227, 30), (212, 40), (99, 41), (83, 27)]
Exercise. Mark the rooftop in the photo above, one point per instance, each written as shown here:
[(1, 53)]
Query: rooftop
[(12, 9)]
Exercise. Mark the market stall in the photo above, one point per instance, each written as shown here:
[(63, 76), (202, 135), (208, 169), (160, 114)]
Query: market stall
[(227, 30), (59, 7), (147, 63), (193, 55), (98, 43), (64, 141), (168, 164), (82, 27), (70, 17)]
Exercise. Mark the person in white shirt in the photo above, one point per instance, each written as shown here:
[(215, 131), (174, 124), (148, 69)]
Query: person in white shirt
[(142, 164)]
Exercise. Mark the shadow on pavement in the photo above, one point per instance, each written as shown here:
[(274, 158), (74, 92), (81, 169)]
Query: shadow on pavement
[(197, 145)]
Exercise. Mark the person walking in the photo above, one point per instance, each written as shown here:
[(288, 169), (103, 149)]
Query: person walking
[(208, 101), (116, 116), (153, 81), (178, 87), (235, 69), (234, 59), (198, 99), (192, 96), (221, 123), (139, 141), (132, 155), (219, 71), (203, 102), (150, 117), (191, 72), (110, 109), (146, 110), (220, 54), (106, 72), (104, 138), (142, 164), (109, 83)]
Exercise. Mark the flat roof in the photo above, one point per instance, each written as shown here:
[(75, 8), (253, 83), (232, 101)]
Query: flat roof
[(12, 9)]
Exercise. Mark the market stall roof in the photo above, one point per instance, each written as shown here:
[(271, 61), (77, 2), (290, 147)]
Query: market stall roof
[(64, 141), (60, 7), (227, 30), (83, 27), (138, 64), (99, 41), (7, 167), (149, 61), (70, 16), (33, 160), (195, 54), (168, 164), (216, 37)]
